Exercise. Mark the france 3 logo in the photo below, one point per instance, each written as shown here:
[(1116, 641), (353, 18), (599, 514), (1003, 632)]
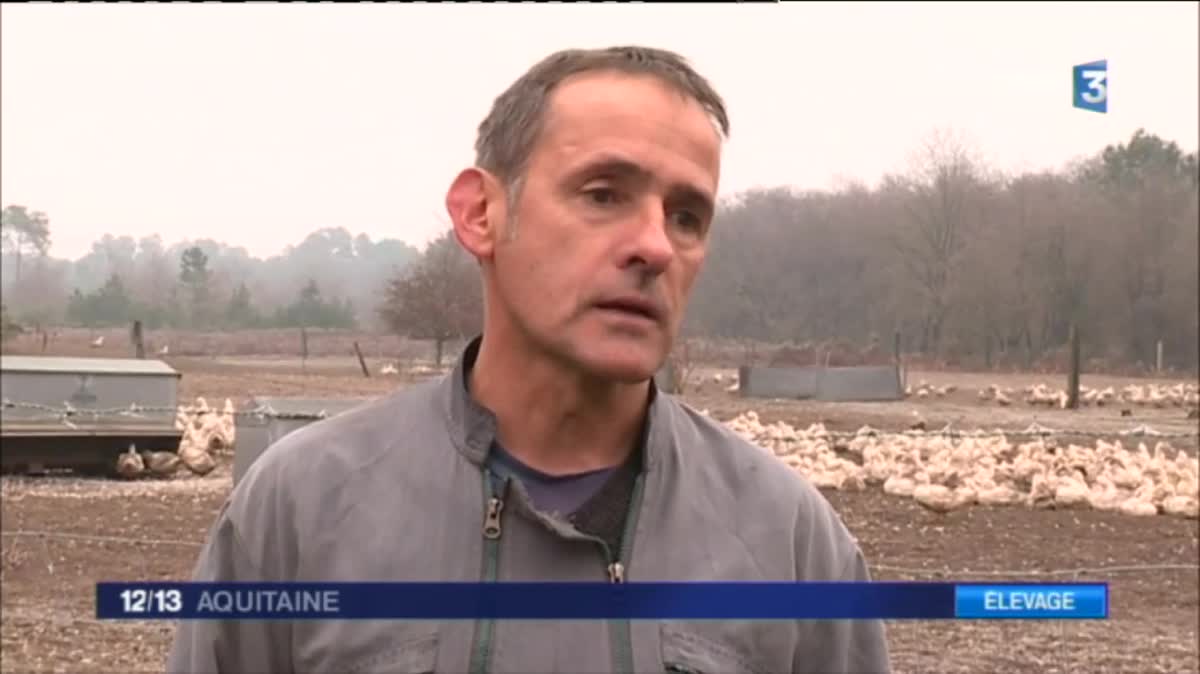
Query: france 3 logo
[(1089, 89)]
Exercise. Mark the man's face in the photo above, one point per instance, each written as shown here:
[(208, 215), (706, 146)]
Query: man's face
[(612, 225)]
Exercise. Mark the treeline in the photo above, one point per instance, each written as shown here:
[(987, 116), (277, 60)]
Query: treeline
[(969, 266), (331, 279), (112, 304), (972, 267)]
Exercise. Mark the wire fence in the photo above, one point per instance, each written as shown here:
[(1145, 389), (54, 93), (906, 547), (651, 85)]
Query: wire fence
[(907, 570), (69, 415), (1035, 573), (99, 539), (67, 412)]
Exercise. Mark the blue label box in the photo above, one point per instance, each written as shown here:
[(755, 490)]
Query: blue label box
[(1080, 601), (1089, 86)]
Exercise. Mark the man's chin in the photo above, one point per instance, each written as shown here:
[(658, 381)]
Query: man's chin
[(624, 373), (627, 364)]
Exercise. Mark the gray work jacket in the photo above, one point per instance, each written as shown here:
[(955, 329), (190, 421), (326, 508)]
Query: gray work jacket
[(396, 490)]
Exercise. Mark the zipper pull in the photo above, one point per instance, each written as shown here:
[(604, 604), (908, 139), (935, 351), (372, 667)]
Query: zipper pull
[(491, 520), (616, 572)]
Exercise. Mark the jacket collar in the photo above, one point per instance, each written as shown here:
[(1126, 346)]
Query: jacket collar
[(472, 426)]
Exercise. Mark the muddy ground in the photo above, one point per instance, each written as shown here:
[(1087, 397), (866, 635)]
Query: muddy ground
[(62, 535)]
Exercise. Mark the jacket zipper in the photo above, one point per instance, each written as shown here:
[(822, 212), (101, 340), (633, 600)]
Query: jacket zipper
[(621, 638), (484, 628), (620, 631)]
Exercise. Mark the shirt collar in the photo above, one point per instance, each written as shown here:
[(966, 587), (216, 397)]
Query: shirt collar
[(473, 427)]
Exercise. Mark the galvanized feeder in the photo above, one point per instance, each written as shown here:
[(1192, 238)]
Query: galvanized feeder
[(268, 419), (80, 413)]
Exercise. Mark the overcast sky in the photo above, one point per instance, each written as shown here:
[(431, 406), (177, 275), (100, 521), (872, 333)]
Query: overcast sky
[(255, 124)]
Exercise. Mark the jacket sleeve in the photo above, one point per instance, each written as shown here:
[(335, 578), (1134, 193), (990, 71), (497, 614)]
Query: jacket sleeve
[(225, 647), (847, 646)]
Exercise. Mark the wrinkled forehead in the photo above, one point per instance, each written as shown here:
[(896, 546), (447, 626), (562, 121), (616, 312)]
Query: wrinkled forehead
[(612, 91), (636, 116)]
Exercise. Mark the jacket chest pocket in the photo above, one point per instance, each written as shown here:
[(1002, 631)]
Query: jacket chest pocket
[(413, 656), (687, 652)]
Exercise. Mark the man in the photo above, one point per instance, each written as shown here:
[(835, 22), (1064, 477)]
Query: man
[(547, 454)]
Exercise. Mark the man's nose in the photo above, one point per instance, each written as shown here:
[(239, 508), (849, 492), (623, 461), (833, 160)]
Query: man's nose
[(649, 245)]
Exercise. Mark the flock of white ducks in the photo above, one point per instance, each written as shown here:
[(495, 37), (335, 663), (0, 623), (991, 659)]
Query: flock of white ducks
[(205, 429), (1160, 396), (414, 371), (945, 473)]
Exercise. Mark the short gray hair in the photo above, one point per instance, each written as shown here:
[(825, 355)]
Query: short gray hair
[(511, 129)]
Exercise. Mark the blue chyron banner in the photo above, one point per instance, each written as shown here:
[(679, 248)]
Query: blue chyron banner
[(601, 601)]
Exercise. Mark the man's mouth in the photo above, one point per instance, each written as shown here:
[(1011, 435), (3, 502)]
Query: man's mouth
[(633, 306)]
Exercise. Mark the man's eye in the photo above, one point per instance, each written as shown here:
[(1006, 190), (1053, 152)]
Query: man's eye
[(687, 220), (602, 195)]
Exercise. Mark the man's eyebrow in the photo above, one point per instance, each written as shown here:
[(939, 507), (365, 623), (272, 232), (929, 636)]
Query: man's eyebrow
[(621, 167), (611, 165), (694, 198)]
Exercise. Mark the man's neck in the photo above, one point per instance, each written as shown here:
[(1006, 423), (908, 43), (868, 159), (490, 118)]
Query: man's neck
[(555, 420)]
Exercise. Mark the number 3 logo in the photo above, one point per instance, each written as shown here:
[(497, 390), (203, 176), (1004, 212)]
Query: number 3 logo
[(1095, 83)]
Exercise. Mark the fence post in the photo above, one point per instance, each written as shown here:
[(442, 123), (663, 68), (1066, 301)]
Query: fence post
[(743, 380), (896, 353), (1073, 377), (362, 363), (304, 350), (1158, 357), (139, 347)]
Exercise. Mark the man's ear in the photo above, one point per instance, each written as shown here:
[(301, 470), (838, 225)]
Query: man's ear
[(477, 208)]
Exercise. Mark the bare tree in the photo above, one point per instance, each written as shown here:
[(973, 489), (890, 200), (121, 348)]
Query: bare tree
[(439, 298), (24, 230), (942, 208), (681, 364)]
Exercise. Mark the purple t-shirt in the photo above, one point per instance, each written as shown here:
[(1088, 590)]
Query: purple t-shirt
[(562, 494)]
